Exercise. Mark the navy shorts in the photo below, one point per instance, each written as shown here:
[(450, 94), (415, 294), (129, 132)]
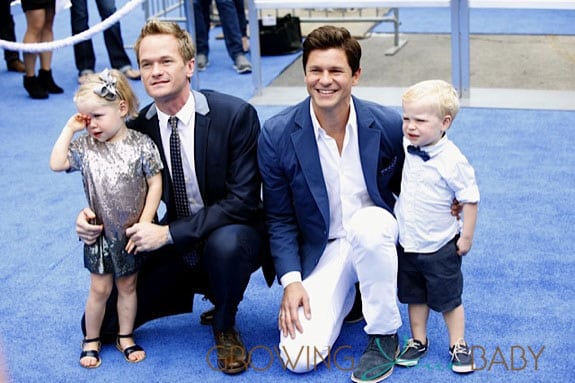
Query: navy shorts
[(434, 279)]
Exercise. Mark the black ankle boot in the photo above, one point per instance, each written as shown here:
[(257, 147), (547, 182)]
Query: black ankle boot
[(35, 90), (47, 82)]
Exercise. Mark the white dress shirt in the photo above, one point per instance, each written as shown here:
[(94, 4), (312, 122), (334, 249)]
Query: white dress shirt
[(423, 210), (186, 129), (343, 176)]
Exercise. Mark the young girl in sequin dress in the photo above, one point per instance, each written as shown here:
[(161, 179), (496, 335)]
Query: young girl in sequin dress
[(122, 181)]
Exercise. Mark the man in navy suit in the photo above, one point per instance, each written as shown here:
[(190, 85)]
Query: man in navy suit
[(331, 168), (218, 137)]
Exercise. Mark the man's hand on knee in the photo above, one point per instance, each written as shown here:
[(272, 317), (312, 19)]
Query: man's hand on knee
[(294, 296)]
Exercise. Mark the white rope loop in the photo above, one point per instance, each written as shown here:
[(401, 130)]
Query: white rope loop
[(71, 40)]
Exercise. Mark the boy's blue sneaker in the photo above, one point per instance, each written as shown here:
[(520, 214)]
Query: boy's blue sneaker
[(378, 359), (461, 358), (412, 353)]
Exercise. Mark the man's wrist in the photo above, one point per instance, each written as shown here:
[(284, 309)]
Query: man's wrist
[(289, 278)]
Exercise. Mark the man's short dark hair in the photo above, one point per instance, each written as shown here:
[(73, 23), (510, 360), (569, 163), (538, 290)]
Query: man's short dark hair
[(329, 36)]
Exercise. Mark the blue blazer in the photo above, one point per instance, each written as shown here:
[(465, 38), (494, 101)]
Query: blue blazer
[(294, 190)]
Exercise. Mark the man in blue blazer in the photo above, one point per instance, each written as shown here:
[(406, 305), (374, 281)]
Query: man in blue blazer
[(331, 168), (214, 247)]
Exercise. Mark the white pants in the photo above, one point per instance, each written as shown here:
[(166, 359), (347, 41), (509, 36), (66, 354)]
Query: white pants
[(367, 255)]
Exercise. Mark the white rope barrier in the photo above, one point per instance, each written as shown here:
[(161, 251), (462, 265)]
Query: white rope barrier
[(71, 40)]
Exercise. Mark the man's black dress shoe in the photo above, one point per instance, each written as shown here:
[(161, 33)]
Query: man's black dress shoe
[(207, 317), (232, 354)]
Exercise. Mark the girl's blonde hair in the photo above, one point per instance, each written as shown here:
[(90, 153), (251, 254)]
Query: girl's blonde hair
[(438, 93), (110, 86)]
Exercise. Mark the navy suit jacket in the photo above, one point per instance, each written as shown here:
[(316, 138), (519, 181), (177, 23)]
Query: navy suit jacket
[(226, 166), (295, 194)]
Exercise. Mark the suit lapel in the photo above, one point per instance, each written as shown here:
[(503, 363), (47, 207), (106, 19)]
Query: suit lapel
[(307, 153), (201, 130), (152, 129), (200, 145), (368, 147)]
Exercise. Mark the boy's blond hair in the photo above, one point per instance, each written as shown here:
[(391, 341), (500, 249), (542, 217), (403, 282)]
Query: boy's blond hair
[(122, 87), (438, 93)]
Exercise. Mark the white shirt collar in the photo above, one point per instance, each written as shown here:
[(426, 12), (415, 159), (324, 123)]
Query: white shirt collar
[(432, 150), (185, 115), (351, 124)]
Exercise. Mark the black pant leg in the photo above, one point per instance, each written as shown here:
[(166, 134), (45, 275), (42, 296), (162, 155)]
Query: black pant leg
[(231, 255)]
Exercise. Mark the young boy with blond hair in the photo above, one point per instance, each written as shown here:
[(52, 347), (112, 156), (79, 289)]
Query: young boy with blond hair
[(435, 173)]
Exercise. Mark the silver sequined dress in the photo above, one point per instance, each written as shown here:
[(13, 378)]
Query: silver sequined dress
[(114, 176)]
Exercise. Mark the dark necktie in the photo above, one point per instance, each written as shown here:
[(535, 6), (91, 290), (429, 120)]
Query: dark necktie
[(412, 149), (179, 184), (178, 180)]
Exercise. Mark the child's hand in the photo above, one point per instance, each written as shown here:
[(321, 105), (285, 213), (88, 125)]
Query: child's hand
[(463, 245), (78, 122)]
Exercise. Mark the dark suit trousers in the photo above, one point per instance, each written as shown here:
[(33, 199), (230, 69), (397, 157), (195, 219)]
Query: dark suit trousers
[(166, 284), (84, 51), (7, 29)]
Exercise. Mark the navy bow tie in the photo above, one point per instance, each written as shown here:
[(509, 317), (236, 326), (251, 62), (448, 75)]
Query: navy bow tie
[(412, 149)]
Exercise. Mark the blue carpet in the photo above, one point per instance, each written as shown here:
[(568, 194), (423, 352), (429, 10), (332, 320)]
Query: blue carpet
[(485, 21), (518, 292)]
